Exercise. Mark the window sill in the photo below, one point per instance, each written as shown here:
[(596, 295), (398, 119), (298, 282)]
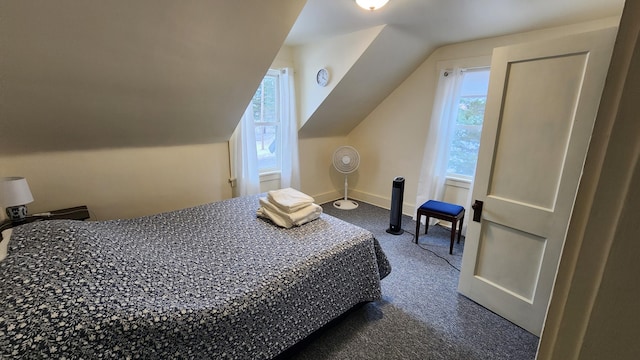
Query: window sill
[(461, 182), (270, 176)]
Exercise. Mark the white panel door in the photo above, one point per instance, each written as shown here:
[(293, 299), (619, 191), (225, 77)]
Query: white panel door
[(542, 102)]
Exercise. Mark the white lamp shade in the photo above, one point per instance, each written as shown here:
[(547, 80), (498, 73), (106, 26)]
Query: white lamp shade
[(371, 4), (14, 191)]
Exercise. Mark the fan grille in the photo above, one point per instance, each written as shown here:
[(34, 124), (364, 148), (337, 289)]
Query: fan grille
[(346, 159)]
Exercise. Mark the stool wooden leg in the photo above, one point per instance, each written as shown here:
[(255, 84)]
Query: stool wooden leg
[(453, 236), (426, 225), (460, 229), (417, 228)]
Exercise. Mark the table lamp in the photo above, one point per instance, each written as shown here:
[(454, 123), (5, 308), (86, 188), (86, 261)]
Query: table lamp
[(14, 195)]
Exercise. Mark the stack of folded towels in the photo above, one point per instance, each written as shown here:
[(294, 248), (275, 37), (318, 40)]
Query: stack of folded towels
[(288, 207)]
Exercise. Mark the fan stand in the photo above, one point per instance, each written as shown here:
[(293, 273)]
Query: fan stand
[(345, 204)]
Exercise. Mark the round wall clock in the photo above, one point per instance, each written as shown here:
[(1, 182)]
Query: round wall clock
[(322, 77)]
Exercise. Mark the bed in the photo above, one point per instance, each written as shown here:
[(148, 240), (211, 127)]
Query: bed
[(208, 282)]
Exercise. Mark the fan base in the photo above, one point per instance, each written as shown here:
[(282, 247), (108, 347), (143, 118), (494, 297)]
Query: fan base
[(345, 204), (395, 232)]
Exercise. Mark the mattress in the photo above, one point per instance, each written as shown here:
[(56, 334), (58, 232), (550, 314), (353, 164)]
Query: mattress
[(212, 281)]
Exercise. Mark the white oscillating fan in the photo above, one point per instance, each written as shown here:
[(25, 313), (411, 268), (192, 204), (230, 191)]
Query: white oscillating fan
[(346, 160)]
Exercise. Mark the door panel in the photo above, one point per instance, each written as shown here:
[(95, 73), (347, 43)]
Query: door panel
[(542, 102), (533, 125), (505, 247)]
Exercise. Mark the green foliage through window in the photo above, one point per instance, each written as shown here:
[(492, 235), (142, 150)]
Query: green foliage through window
[(463, 152), (266, 115)]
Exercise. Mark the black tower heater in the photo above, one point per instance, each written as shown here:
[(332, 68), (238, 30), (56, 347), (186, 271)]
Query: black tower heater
[(397, 192)]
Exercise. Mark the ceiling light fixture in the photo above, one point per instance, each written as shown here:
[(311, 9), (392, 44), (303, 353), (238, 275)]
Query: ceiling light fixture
[(371, 4)]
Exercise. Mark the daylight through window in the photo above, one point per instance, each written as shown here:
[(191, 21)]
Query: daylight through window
[(463, 152), (266, 114)]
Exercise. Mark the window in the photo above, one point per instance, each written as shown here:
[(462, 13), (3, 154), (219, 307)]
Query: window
[(465, 142), (264, 146), (266, 110)]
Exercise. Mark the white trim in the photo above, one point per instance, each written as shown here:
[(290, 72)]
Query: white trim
[(600, 200), (270, 176), (458, 182), (381, 201), (466, 63), (365, 197), (326, 197)]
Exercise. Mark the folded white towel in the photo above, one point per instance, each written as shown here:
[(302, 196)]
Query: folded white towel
[(289, 200), (4, 242), (288, 220)]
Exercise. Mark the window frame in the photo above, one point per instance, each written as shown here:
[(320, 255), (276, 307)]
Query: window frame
[(463, 178), (277, 169)]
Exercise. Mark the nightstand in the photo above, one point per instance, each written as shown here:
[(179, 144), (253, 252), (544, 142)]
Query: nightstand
[(74, 213)]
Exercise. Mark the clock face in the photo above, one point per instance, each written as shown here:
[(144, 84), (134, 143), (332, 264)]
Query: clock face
[(322, 77)]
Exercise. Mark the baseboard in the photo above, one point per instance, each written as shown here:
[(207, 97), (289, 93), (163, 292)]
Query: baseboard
[(327, 197), (380, 201)]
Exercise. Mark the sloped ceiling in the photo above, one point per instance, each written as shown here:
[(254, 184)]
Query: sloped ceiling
[(414, 29), (87, 74), (83, 74), (370, 79)]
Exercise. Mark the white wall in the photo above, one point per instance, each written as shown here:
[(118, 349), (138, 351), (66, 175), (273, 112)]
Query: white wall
[(127, 182), (317, 175), (337, 54), (130, 182), (392, 138), (124, 183)]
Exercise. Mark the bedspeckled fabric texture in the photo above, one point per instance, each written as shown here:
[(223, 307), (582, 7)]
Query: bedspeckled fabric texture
[(209, 282)]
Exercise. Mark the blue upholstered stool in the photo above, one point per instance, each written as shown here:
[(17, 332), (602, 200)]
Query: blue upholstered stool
[(444, 211)]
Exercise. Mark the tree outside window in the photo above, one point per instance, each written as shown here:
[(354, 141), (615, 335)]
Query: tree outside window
[(266, 114), (463, 151)]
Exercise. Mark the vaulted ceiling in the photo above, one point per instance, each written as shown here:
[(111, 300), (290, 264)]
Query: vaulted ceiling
[(414, 29), (85, 74), (80, 74)]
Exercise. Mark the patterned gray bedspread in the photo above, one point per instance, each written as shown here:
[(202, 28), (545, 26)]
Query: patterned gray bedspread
[(209, 282)]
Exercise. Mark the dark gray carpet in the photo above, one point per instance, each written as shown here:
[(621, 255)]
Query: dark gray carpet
[(421, 314)]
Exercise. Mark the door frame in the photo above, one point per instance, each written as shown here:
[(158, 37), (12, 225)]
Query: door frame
[(530, 314), (600, 200)]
